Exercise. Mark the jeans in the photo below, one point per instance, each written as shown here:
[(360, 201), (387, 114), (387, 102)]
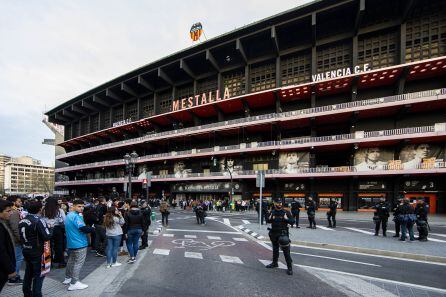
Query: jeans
[(32, 282), (76, 260), (18, 258), (165, 218), (112, 248), (133, 236), (409, 227), (100, 238), (58, 244)]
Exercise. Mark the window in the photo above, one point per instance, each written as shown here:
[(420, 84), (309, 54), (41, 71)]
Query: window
[(261, 166), (165, 102), (235, 82), (295, 69), (164, 172), (106, 117), (95, 122), (262, 77), (207, 85), (426, 32), (147, 107), (379, 51), (84, 126), (132, 111), (185, 91), (118, 114), (333, 57)]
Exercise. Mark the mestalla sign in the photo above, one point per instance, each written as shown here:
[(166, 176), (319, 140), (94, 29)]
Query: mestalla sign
[(200, 99), (338, 73)]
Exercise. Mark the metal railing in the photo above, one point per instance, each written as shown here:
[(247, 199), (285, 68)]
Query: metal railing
[(439, 127), (272, 173), (275, 116)]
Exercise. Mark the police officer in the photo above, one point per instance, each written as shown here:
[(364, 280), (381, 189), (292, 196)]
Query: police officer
[(33, 234), (421, 211), (396, 217), (331, 214), (295, 211), (311, 212), (279, 235), (382, 216)]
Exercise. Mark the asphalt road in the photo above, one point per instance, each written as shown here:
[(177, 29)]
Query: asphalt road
[(214, 260)]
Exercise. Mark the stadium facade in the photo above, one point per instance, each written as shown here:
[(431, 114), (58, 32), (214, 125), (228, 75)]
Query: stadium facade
[(333, 99)]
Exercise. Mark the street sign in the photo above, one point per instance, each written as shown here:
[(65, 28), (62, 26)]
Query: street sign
[(260, 179)]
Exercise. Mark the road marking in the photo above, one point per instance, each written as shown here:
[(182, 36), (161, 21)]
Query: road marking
[(337, 259), (267, 262), (168, 235), (359, 230), (190, 236), (226, 221), (325, 228), (254, 234), (246, 222), (203, 231), (230, 259), (437, 234), (214, 237), (356, 253), (239, 239), (421, 287), (161, 252), (193, 255)]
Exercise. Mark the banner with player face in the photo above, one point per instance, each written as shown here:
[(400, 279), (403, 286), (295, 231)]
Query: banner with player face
[(412, 156), (372, 158), (291, 161)]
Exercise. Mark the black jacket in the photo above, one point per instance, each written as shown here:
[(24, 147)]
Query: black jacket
[(100, 211), (406, 209), (7, 252), (382, 210), (311, 206), (421, 211), (295, 206), (147, 212), (33, 233), (333, 207), (278, 221), (134, 219)]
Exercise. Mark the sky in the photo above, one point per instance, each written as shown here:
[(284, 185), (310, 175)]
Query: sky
[(54, 50)]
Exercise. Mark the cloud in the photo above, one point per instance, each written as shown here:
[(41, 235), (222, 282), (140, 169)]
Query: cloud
[(52, 51)]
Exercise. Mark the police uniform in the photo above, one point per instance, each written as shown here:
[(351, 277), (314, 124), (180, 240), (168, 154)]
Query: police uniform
[(421, 211), (382, 216), (279, 236), (295, 211), (331, 215)]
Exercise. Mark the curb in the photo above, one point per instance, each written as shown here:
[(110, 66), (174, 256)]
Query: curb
[(436, 259), (250, 232)]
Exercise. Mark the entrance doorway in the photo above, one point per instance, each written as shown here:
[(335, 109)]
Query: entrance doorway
[(429, 198)]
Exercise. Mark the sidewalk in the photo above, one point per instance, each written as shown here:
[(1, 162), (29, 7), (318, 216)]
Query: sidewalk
[(339, 239)]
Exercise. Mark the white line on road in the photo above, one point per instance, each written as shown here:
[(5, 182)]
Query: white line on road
[(266, 262), (359, 230), (246, 222), (337, 259), (442, 291), (356, 253), (190, 236), (239, 239), (227, 222), (193, 255), (214, 237), (438, 234), (203, 231), (230, 259), (168, 235), (325, 228), (161, 252)]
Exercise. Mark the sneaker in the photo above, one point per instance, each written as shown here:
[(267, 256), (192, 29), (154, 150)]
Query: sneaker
[(117, 264), (77, 286), (289, 271), (15, 281), (99, 254), (131, 261), (272, 265), (142, 247), (108, 266), (67, 281)]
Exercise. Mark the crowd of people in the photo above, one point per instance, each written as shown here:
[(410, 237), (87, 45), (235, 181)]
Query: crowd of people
[(221, 205), (55, 233)]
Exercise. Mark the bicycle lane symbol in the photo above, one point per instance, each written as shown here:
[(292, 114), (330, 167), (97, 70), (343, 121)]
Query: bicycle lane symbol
[(203, 246)]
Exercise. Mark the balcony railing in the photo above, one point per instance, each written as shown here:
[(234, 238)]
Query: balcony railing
[(275, 173), (253, 119), (439, 127)]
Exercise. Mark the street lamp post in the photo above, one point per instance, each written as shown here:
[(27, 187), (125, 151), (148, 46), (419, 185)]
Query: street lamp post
[(230, 194), (130, 160)]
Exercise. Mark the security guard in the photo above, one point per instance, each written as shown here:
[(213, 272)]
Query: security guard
[(279, 235), (295, 211), (421, 211), (381, 216)]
